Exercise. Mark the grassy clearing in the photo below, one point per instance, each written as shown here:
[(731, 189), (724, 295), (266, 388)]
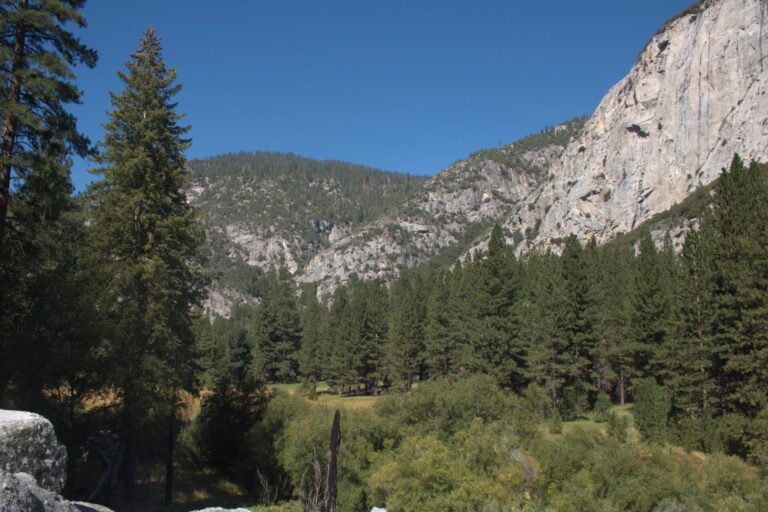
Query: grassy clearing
[(591, 424), (325, 398), (352, 403)]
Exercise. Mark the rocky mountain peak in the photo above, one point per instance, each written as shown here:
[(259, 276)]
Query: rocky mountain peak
[(695, 96)]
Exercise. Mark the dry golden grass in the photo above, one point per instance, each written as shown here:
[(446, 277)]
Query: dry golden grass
[(324, 398), (351, 403)]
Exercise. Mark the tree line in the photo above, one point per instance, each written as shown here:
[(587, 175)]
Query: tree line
[(588, 325)]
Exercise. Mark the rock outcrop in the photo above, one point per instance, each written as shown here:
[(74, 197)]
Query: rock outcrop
[(33, 466), (695, 96), (455, 206), (28, 444)]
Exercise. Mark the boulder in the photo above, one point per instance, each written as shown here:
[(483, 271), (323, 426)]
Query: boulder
[(20, 492), (33, 466), (28, 444)]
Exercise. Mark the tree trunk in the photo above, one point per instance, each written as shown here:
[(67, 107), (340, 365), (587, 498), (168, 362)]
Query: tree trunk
[(169, 461), (129, 463), (10, 128), (622, 388), (333, 454)]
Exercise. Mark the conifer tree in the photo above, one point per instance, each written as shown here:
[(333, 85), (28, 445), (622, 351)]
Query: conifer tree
[(578, 316), (404, 351), (653, 307), (690, 357), (146, 244), (542, 322), (460, 314), (343, 359), (37, 255), (279, 335), (37, 54), (492, 330), (311, 362), (439, 345), (739, 241), (374, 330), (614, 356), (50, 333)]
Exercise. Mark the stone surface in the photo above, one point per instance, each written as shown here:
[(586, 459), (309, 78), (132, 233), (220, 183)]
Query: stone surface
[(695, 96), (471, 192), (82, 506), (28, 444), (33, 466), (19, 492)]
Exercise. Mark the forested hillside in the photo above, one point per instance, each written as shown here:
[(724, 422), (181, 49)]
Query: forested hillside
[(264, 211), (453, 213)]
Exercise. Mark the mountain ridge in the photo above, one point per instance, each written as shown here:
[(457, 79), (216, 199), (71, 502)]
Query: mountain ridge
[(694, 97)]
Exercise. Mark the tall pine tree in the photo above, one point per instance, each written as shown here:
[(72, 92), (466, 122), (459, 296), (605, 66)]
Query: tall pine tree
[(37, 54), (37, 261), (738, 227), (146, 242)]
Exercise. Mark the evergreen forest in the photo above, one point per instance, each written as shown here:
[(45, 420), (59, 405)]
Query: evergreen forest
[(621, 377)]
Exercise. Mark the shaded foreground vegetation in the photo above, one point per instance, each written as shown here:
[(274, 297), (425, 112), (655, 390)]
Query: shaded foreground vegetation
[(469, 445), (678, 335)]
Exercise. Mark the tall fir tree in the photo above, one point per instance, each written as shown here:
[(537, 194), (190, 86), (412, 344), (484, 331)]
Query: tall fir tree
[(690, 354), (279, 334), (440, 350), (146, 244), (493, 338), (738, 231), (405, 347), (310, 358), (543, 329), (37, 53), (652, 307), (614, 357), (579, 317), (343, 357), (374, 330), (37, 234)]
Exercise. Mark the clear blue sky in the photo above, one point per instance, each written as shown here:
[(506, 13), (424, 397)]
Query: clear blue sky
[(404, 85)]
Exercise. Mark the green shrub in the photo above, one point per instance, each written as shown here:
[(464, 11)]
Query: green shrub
[(651, 411), (602, 407), (617, 426)]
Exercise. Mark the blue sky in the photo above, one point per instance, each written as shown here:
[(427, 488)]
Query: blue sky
[(400, 85)]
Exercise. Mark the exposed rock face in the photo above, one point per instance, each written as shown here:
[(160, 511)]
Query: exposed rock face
[(696, 95), (28, 444), (33, 466), (472, 193)]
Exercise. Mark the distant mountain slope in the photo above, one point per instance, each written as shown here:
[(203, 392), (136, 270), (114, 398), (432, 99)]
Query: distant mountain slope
[(454, 208), (267, 210), (694, 97)]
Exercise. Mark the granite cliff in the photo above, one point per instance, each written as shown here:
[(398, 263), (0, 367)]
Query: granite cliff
[(695, 96)]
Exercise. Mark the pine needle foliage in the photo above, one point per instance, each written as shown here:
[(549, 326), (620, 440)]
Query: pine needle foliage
[(146, 242)]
